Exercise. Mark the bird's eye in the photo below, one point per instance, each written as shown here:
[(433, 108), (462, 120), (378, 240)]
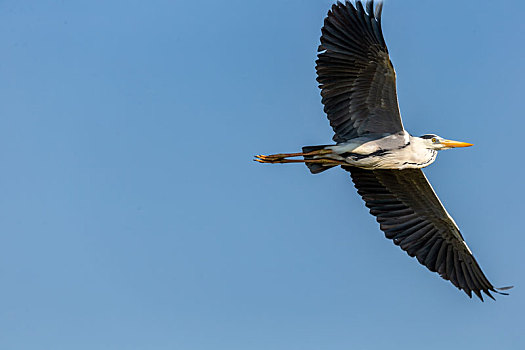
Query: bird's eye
[(434, 139)]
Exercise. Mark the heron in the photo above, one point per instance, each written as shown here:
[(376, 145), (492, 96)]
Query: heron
[(358, 90)]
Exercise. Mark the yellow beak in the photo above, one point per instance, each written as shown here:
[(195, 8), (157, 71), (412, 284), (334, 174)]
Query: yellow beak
[(451, 143)]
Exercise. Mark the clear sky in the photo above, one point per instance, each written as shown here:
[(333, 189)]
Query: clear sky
[(133, 217)]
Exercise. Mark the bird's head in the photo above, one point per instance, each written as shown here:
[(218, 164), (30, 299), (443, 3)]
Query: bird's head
[(438, 143)]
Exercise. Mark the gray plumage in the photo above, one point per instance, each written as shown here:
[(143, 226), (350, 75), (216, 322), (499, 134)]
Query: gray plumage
[(358, 89), (410, 214), (357, 79)]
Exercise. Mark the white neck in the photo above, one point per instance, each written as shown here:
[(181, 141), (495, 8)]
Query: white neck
[(419, 155)]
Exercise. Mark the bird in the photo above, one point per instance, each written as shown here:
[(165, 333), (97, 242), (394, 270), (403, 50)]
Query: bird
[(358, 89)]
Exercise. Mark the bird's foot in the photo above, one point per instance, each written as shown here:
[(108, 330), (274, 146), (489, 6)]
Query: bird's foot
[(273, 158), (281, 157)]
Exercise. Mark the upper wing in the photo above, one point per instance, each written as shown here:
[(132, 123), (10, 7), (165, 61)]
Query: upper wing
[(357, 79), (410, 213)]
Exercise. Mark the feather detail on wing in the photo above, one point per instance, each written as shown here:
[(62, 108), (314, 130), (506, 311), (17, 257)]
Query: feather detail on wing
[(410, 214), (357, 79)]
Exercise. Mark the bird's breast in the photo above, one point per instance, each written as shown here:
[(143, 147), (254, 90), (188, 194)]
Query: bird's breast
[(390, 159)]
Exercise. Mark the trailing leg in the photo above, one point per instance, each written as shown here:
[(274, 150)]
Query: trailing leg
[(312, 157)]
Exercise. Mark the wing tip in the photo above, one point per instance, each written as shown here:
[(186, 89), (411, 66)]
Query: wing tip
[(501, 290), (494, 290)]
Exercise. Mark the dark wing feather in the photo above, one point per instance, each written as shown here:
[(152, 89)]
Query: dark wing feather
[(410, 213), (357, 79)]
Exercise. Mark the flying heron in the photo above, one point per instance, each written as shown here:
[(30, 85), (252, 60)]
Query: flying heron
[(358, 89)]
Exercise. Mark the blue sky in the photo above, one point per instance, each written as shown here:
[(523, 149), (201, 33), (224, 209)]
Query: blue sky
[(133, 217)]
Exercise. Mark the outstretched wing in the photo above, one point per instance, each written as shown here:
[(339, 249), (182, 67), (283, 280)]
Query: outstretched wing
[(410, 213), (357, 79)]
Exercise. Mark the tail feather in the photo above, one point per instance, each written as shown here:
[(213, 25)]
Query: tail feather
[(315, 168)]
